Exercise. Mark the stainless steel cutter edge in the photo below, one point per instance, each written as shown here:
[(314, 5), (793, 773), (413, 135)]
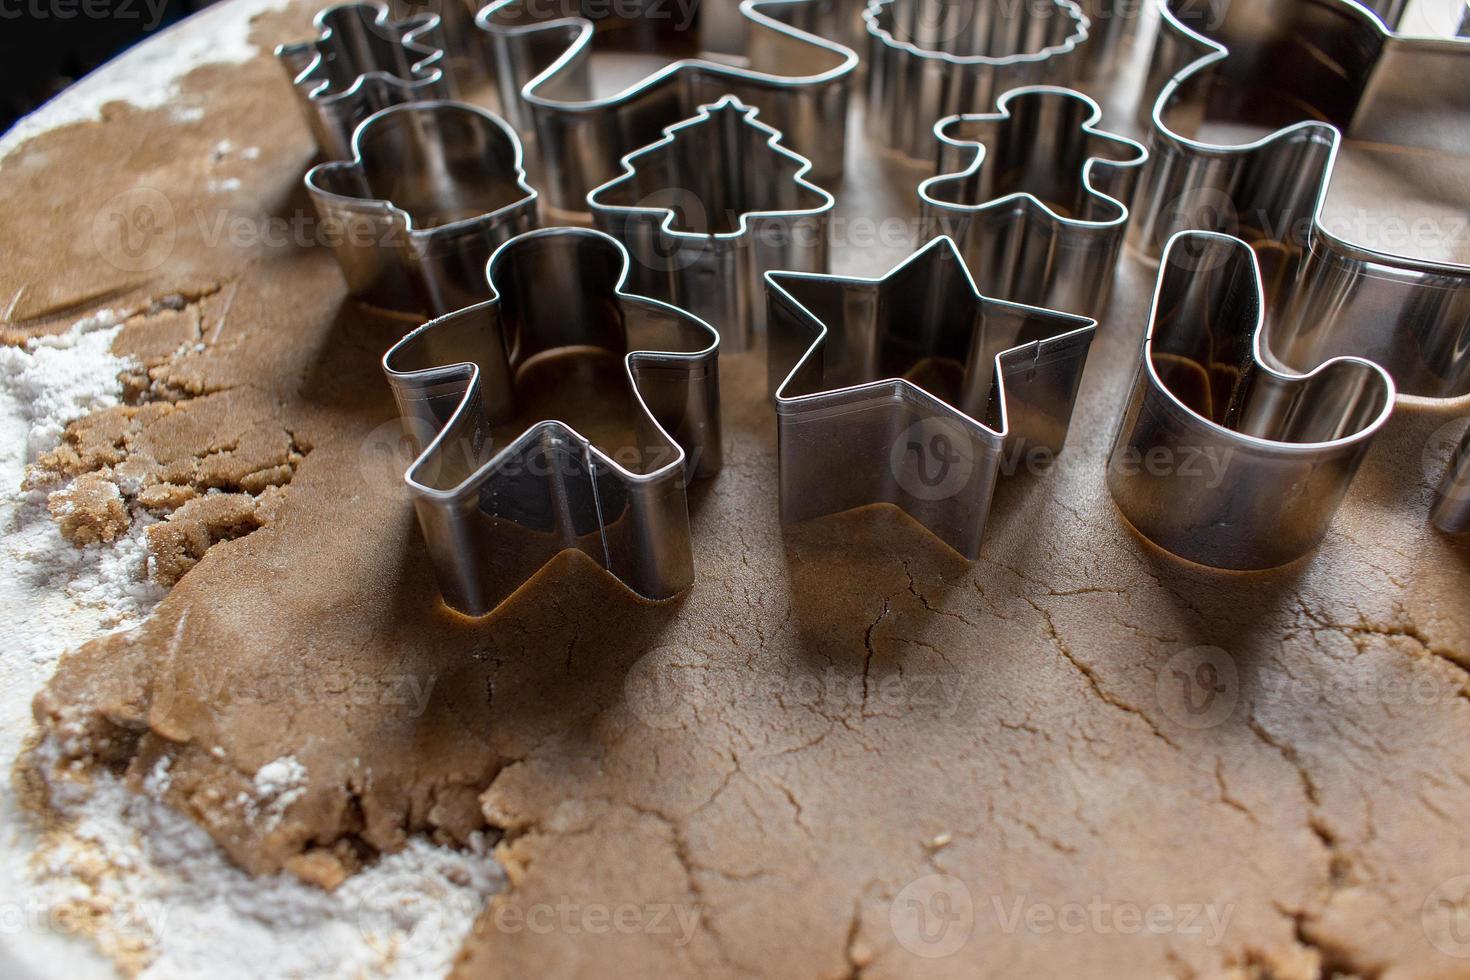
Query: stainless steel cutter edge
[(1351, 276), (647, 546), (335, 116), (1451, 510), (719, 276), (911, 88), (1082, 254), (1211, 493), (957, 511), (391, 263), (578, 140)]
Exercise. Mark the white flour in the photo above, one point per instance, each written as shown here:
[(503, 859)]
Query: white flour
[(158, 889)]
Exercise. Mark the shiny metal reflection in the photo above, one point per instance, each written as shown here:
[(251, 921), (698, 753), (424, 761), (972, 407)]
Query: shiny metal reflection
[(706, 211), (596, 82), (494, 514), (360, 62), (1034, 196), (1220, 458), (914, 390), (432, 189)]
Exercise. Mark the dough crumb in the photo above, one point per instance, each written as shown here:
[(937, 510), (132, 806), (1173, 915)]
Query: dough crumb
[(89, 510), (320, 868), (178, 543)]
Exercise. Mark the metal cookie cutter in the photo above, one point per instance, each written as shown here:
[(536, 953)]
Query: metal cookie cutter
[(359, 63), (708, 209), (1033, 194), (914, 390), (432, 189), (496, 501), (595, 89), (1339, 65), (928, 59), (1451, 510), (1221, 458)]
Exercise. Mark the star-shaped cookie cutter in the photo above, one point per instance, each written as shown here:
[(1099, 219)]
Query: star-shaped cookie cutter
[(1343, 67), (493, 514), (915, 390), (709, 209), (432, 189), (1034, 196), (1221, 458), (587, 115), (360, 62), (928, 59)]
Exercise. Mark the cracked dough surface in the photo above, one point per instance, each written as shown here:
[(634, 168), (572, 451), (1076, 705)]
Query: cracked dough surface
[(835, 710)]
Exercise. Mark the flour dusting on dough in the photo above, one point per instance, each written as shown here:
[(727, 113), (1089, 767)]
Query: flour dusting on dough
[(146, 884)]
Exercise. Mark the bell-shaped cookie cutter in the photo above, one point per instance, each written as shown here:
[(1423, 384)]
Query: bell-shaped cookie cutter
[(706, 211), (928, 59), (567, 78), (359, 63), (1034, 196), (432, 189), (1220, 458), (914, 390), (1408, 315), (493, 514)]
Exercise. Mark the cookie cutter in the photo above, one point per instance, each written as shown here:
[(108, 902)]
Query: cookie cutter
[(567, 78), (431, 190), (360, 62), (1221, 458), (1340, 65), (1034, 196), (709, 209), (915, 390), (928, 59), (1451, 510), (494, 512), (464, 48)]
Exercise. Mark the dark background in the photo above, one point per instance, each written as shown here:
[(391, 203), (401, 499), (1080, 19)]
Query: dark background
[(45, 45)]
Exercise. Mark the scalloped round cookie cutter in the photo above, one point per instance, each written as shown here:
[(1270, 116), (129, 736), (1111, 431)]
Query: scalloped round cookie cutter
[(929, 59)]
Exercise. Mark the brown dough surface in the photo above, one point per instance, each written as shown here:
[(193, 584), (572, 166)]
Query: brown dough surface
[(834, 711)]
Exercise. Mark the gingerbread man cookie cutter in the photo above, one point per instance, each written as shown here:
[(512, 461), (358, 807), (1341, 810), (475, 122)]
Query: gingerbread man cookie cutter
[(494, 512)]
